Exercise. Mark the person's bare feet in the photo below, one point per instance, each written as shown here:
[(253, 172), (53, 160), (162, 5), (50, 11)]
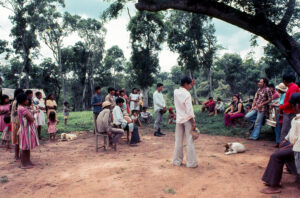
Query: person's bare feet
[(271, 190)]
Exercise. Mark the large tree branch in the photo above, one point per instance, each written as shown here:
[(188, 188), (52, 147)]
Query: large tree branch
[(288, 14)]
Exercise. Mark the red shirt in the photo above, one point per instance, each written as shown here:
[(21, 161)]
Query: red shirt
[(286, 107), (210, 103)]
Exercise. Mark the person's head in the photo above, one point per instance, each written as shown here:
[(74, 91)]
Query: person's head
[(272, 87), (159, 87), (4, 99), (288, 78), (138, 91), (111, 91), (186, 82), (235, 98), (22, 99), (7, 119), (117, 93), (50, 96), (134, 112), (145, 109), (122, 93), (170, 110), (29, 93), (263, 82), (251, 101), (52, 116), (38, 95), (281, 88), (120, 102), (66, 104), (17, 92), (210, 98), (295, 102), (134, 90), (98, 90)]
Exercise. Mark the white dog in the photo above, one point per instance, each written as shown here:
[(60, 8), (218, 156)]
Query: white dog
[(234, 147), (68, 137)]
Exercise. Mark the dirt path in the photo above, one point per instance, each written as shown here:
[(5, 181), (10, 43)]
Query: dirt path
[(73, 169)]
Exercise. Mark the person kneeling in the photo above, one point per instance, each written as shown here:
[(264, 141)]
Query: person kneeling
[(103, 124), (118, 120), (289, 154)]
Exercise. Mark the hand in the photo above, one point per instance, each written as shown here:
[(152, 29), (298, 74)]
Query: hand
[(282, 143), (193, 125), (108, 133), (259, 106), (230, 113)]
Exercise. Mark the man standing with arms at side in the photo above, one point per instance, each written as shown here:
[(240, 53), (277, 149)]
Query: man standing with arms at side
[(259, 108), (159, 109), (185, 123), (288, 111), (96, 102)]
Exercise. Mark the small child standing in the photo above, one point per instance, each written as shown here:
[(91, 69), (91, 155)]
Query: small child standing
[(172, 116), (66, 112), (6, 135), (135, 117), (52, 122)]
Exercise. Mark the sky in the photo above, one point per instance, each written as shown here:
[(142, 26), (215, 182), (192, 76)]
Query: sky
[(232, 38)]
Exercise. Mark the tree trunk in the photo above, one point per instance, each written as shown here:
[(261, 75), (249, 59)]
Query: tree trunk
[(146, 98), (256, 24), (194, 89), (85, 85), (211, 92), (61, 74)]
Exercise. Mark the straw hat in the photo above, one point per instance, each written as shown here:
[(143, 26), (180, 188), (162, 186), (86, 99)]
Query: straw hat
[(282, 87), (105, 104)]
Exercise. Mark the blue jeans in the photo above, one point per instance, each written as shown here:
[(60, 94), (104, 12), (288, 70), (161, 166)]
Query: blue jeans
[(258, 118), (277, 129)]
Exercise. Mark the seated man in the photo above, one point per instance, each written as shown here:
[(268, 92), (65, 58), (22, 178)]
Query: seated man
[(209, 105), (289, 154), (219, 107), (119, 121), (103, 124), (146, 116)]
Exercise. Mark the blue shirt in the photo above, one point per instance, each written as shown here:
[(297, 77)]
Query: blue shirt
[(281, 100), (96, 99)]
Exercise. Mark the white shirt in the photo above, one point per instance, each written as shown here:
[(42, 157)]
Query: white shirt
[(158, 101), (294, 134), (220, 106), (183, 105), (118, 116)]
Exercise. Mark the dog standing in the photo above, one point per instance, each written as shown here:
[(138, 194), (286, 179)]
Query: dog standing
[(234, 147)]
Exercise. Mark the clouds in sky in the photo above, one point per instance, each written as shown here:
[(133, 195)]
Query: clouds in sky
[(233, 39)]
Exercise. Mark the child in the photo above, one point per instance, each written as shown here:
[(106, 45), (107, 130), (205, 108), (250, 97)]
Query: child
[(66, 111), (28, 136), (52, 122), (172, 116), (146, 116), (135, 118), (6, 132)]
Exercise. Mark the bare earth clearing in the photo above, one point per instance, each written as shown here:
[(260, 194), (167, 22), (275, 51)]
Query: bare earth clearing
[(74, 169)]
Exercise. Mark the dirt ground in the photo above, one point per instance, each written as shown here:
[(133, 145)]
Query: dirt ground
[(74, 169)]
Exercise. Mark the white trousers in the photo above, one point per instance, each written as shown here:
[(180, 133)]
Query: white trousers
[(191, 158)]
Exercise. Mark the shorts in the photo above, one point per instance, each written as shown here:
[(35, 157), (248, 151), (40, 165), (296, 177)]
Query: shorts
[(66, 117)]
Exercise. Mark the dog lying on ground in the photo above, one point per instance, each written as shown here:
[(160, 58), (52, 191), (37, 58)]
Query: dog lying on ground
[(68, 137), (234, 147)]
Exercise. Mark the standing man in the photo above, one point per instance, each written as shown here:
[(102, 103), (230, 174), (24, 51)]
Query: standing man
[(96, 102), (159, 109), (185, 123), (259, 108), (288, 111), (111, 96)]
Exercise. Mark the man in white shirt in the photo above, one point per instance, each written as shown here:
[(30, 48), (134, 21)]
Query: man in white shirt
[(185, 123), (159, 109)]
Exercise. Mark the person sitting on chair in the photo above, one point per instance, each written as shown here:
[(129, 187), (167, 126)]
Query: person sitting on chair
[(120, 122), (103, 124)]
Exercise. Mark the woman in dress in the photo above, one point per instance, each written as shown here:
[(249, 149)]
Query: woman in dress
[(134, 99), (4, 110), (28, 137), (51, 105), (39, 115), (237, 111)]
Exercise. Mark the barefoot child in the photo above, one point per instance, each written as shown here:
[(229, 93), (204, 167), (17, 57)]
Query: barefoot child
[(52, 122), (28, 136), (6, 132), (66, 112)]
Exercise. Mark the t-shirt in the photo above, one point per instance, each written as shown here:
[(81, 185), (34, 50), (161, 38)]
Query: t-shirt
[(66, 111), (96, 99)]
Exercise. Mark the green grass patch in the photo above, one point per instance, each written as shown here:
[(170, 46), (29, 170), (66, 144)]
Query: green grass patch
[(3, 179)]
